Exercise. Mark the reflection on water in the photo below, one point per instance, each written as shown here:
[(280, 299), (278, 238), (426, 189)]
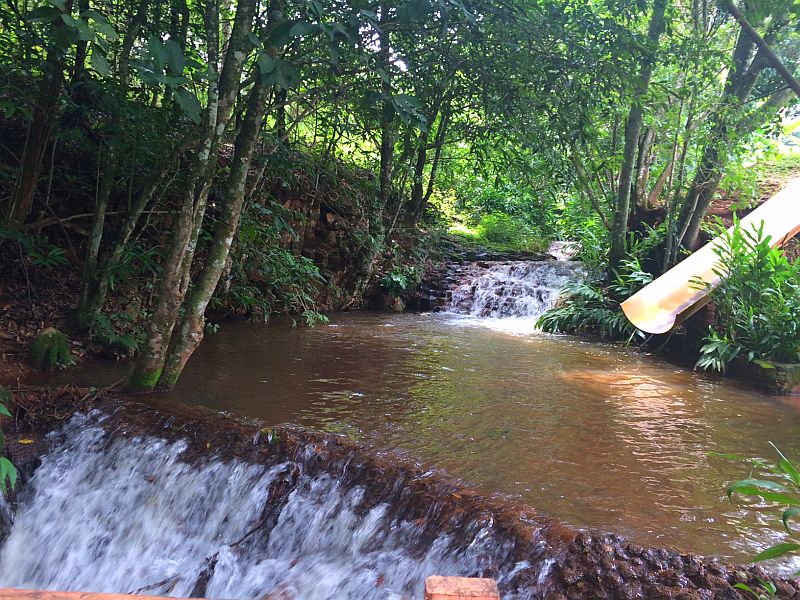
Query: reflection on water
[(595, 435)]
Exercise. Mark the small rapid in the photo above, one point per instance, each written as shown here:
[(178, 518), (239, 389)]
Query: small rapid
[(508, 295), (209, 510), (131, 515)]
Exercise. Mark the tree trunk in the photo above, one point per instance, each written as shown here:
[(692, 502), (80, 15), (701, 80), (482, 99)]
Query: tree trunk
[(387, 115), (417, 186), (44, 116), (633, 127), (740, 83), (175, 277), (189, 333), (93, 286)]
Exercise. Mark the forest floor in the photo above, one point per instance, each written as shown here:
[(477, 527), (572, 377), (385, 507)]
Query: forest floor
[(30, 301)]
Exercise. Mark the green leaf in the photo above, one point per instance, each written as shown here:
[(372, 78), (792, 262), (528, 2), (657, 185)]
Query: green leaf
[(99, 63), (776, 551), (303, 28), (174, 54), (265, 63), (101, 24), (8, 472), (764, 364), (189, 104), (786, 466), (44, 14), (746, 484), (789, 514), (285, 74), (281, 35), (413, 11), (157, 52), (776, 497)]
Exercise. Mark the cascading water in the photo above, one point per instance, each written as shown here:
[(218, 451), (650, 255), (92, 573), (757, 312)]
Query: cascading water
[(297, 515), (128, 515), (509, 295)]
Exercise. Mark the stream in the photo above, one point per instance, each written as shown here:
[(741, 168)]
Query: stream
[(596, 435)]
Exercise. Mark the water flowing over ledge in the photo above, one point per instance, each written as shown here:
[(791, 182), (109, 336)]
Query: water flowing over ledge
[(510, 295), (130, 499)]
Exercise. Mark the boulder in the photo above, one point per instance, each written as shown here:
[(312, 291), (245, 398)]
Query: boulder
[(49, 350)]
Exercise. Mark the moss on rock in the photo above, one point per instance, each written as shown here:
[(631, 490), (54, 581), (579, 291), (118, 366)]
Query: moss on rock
[(49, 350)]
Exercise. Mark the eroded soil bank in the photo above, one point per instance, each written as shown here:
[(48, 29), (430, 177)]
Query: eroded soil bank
[(530, 555)]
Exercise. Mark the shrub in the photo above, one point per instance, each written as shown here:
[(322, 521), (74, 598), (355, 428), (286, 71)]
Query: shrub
[(758, 303), (588, 307), (266, 278), (499, 228)]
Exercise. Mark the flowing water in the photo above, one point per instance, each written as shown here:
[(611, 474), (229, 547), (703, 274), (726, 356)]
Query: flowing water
[(131, 516), (596, 435)]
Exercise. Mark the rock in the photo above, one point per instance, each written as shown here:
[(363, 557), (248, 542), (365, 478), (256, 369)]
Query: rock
[(773, 378), (398, 305), (50, 349)]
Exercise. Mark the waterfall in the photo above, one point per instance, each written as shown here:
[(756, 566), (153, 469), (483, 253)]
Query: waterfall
[(509, 295), (113, 508), (129, 515)]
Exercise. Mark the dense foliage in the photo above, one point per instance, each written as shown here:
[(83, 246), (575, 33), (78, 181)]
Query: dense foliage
[(757, 303), (263, 156)]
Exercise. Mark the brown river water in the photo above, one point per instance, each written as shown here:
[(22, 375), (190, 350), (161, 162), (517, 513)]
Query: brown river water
[(595, 435)]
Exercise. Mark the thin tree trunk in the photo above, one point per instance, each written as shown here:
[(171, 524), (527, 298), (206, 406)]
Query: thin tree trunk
[(740, 83), (93, 292), (174, 278), (189, 333), (633, 126), (44, 116), (388, 132), (439, 139)]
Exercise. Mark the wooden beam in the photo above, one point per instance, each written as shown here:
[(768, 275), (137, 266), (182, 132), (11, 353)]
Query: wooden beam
[(764, 47), (460, 588)]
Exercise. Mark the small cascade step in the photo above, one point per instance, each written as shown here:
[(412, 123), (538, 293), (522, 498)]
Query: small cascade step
[(503, 289)]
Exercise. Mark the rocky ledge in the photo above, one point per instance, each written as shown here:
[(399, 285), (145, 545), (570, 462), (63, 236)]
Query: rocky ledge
[(534, 556)]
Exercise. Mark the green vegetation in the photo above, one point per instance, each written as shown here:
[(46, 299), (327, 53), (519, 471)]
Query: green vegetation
[(185, 160), (777, 485), (501, 232), (757, 303), (50, 350), (593, 307), (8, 472)]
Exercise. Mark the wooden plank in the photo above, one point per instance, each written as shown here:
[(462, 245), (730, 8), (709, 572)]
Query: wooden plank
[(675, 296), (455, 588)]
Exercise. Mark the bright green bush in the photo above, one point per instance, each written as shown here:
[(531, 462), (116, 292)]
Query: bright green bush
[(499, 228), (589, 307), (758, 303)]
